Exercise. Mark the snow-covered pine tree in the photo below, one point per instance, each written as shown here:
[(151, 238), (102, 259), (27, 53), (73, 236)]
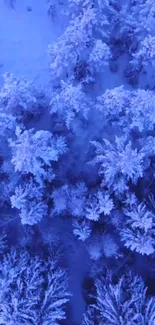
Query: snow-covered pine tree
[(33, 153), (32, 292)]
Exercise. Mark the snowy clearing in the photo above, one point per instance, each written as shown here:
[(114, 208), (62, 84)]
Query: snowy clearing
[(25, 33)]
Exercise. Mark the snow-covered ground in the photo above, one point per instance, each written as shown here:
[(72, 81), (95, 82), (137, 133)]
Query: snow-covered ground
[(25, 33)]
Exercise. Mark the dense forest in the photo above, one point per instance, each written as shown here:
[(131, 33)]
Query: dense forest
[(77, 170)]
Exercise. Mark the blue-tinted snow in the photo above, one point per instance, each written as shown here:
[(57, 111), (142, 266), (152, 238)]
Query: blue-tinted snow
[(25, 32)]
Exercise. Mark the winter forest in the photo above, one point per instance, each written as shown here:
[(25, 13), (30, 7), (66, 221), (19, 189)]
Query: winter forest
[(77, 162)]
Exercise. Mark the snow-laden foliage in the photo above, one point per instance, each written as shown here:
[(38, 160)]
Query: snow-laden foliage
[(19, 97), (33, 212), (142, 108), (145, 12), (29, 200), (126, 109), (145, 55), (102, 245), (56, 296), (108, 7), (150, 202), (109, 246), (112, 304), (3, 242), (148, 316), (82, 229), (148, 146), (112, 102), (28, 191), (31, 292), (136, 20), (88, 317), (20, 288), (7, 187), (99, 56), (98, 204), (71, 45), (76, 201), (7, 125), (69, 100), (138, 231), (95, 249), (133, 33), (70, 199), (130, 200), (124, 303), (78, 41), (117, 160), (33, 152)]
